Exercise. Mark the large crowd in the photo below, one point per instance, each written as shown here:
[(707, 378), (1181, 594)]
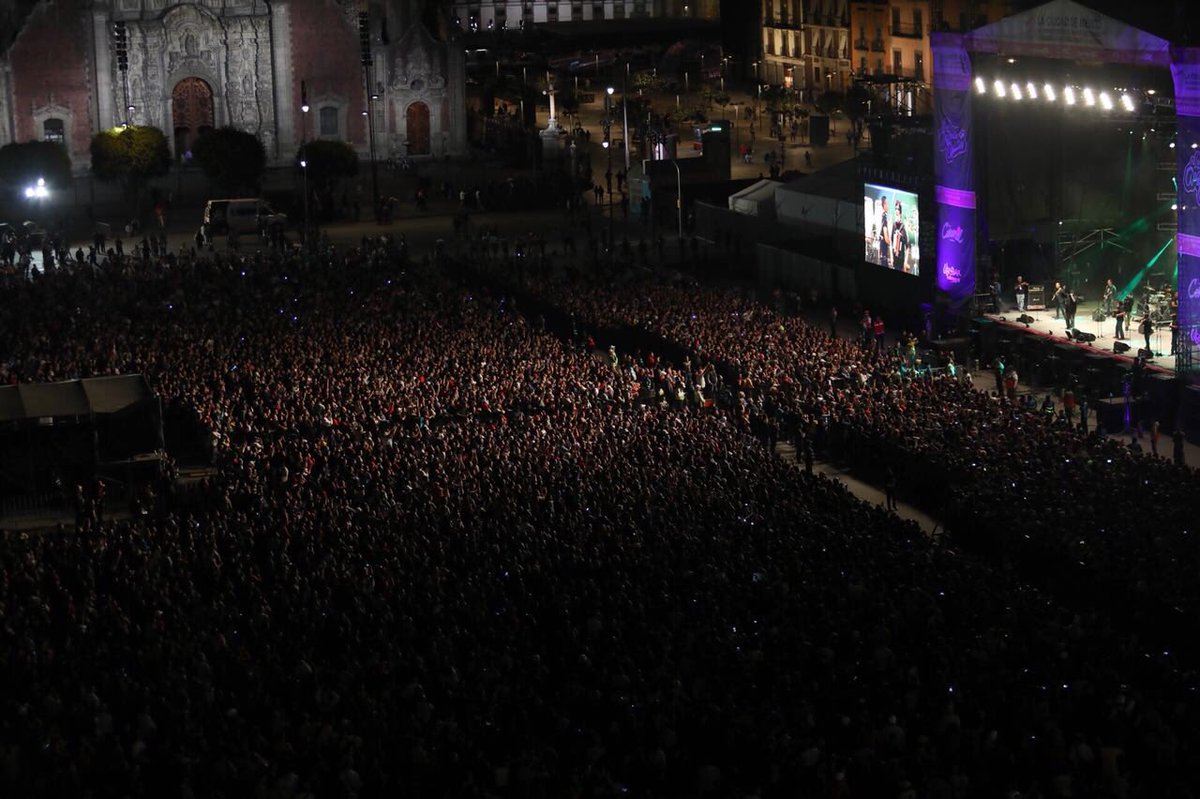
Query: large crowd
[(456, 545)]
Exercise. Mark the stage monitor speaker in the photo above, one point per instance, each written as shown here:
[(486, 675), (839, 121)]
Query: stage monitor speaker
[(1025, 319), (1079, 335), (1120, 347), (1145, 354), (1037, 298)]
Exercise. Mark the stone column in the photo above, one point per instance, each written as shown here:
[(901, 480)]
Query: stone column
[(283, 88), (105, 116)]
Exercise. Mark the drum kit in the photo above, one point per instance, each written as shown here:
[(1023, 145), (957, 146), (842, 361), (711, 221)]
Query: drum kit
[(1157, 303)]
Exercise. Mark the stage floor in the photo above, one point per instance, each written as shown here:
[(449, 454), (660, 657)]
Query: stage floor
[(1044, 324)]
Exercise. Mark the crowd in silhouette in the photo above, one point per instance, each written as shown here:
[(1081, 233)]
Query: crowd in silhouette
[(454, 545)]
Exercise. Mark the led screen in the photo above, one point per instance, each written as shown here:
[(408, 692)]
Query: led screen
[(890, 225)]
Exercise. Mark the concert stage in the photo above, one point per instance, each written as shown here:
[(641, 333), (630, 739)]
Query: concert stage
[(1049, 361), (1045, 326)]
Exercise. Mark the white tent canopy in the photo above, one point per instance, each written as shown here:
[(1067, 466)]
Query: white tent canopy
[(817, 213), (756, 200)]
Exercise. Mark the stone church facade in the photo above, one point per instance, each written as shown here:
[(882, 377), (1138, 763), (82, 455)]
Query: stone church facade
[(193, 66)]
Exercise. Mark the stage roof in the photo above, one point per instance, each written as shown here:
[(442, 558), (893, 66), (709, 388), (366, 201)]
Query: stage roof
[(1066, 30)]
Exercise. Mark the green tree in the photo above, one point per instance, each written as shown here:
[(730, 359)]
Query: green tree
[(232, 159), (22, 164), (328, 162), (130, 154), (647, 81)]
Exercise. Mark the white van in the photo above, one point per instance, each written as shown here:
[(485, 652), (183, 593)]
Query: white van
[(242, 215)]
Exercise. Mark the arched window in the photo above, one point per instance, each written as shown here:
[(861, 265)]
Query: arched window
[(329, 120), (53, 130)]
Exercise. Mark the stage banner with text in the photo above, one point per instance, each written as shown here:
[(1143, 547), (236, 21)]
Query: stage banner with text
[(1185, 70), (954, 173)]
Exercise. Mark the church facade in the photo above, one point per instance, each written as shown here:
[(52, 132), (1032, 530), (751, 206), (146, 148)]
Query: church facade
[(78, 67)]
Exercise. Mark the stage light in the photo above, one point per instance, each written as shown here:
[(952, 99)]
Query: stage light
[(1127, 103), (1088, 97), (1016, 91), (1151, 92), (1048, 92), (998, 86), (1105, 101), (1174, 206), (1171, 145), (1031, 90), (1194, 145), (1012, 60), (980, 85), (1069, 95), (38, 191)]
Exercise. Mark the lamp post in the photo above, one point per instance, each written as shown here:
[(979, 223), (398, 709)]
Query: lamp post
[(678, 196), (607, 145), (625, 122), (303, 155)]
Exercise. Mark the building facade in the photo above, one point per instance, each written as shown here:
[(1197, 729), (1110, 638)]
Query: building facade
[(891, 42), (77, 67), (806, 45), (480, 15)]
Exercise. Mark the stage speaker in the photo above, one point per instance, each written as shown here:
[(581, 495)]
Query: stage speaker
[(1120, 347), (1079, 335), (1025, 319), (1036, 301), (1145, 354)]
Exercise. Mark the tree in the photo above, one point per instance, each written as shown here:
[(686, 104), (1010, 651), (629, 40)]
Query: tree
[(327, 162), (232, 159), (22, 164), (130, 154)]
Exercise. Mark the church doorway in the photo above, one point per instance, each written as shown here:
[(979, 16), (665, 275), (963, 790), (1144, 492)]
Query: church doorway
[(417, 122), (191, 114)]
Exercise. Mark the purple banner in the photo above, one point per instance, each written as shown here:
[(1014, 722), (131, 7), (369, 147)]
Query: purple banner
[(954, 175), (956, 197), (956, 250), (1185, 71), (1188, 245)]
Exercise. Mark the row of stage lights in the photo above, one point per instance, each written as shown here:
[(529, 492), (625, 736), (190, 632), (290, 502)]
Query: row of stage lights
[(1070, 95)]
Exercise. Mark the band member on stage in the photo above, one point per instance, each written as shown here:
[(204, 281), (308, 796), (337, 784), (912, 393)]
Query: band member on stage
[(1106, 299), (1175, 332), (995, 289), (1146, 326), (1060, 294), (1022, 293), (1119, 315), (1069, 306)]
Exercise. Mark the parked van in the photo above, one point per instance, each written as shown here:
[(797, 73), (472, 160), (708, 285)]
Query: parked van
[(243, 215)]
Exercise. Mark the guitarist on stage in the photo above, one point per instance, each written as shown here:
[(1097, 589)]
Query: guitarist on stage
[(1119, 315), (1109, 292)]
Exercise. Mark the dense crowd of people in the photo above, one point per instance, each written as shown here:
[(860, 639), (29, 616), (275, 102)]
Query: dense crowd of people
[(456, 545)]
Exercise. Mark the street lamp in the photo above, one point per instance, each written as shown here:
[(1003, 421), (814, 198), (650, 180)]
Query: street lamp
[(303, 159), (607, 145)]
